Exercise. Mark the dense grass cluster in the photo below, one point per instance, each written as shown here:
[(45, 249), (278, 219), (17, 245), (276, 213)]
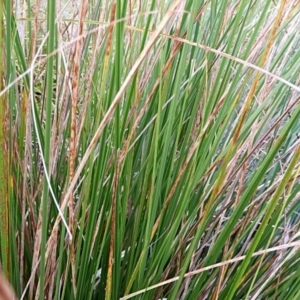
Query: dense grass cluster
[(150, 149)]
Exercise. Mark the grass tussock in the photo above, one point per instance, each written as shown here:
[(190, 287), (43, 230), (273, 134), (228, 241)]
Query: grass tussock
[(150, 149)]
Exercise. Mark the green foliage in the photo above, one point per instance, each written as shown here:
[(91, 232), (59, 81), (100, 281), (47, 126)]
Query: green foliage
[(186, 181)]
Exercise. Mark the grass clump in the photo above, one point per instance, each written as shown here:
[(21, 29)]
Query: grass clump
[(150, 149)]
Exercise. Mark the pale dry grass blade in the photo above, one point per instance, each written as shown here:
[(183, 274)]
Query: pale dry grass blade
[(294, 245)]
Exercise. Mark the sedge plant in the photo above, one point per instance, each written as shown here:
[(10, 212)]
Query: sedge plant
[(150, 149)]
